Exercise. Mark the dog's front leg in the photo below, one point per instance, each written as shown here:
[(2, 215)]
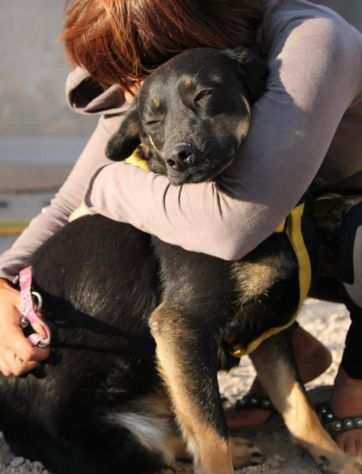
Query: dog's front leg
[(187, 362), (277, 373)]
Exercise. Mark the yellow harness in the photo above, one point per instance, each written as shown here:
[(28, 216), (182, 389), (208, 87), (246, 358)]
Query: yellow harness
[(292, 227), (136, 160)]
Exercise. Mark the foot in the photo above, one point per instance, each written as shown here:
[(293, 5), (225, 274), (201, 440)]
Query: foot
[(312, 359), (346, 402)]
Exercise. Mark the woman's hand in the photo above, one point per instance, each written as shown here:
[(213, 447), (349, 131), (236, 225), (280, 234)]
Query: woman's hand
[(17, 355)]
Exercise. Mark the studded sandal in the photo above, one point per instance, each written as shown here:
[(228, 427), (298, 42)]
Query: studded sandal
[(335, 425), (249, 401), (254, 401)]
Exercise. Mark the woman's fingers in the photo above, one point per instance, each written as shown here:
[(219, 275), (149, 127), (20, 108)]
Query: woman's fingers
[(11, 364), (19, 345), (27, 367), (40, 354), (4, 369), (20, 356), (39, 329), (25, 351), (17, 354)]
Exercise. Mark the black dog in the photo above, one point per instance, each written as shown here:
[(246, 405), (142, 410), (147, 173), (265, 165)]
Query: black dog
[(99, 406), (190, 120)]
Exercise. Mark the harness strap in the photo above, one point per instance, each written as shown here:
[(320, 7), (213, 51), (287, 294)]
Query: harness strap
[(292, 226), (136, 160)]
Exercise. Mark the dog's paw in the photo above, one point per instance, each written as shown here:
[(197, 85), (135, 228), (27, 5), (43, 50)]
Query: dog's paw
[(245, 453)]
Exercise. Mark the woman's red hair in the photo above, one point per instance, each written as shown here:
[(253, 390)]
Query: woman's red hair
[(121, 41)]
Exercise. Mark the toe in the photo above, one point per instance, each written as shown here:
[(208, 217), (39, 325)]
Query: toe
[(359, 448), (351, 442)]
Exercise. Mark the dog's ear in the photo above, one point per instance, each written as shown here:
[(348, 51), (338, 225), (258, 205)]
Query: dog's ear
[(253, 70), (127, 138)]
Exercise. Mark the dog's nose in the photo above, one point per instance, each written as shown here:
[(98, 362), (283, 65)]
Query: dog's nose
[(181, 157)]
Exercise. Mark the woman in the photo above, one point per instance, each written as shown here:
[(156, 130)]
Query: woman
[(306, 126)]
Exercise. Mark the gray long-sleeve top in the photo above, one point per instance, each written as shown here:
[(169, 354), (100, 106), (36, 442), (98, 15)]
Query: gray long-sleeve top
[(308, 124)]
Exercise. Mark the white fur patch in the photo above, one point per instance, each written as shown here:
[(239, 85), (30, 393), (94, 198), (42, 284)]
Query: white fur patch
[(152, 432)]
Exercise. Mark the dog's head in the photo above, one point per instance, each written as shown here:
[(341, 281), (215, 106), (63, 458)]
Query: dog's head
[(192, 114)]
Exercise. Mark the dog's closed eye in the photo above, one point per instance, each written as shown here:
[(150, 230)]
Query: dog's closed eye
[(203, 96), (153, 122)]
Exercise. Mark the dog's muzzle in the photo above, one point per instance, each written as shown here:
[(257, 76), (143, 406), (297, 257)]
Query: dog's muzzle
[(181, 157)]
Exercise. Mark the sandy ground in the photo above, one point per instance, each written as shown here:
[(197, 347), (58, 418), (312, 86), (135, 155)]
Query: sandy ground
[(328, 321)]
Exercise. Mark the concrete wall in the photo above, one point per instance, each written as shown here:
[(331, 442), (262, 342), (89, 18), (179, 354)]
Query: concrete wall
[(33, 69)]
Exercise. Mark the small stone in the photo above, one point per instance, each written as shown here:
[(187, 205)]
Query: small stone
[(16, 462), (235, 392), (38, 468), (277, 461)]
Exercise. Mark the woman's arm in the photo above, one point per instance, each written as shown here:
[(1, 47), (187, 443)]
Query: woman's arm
[(315, 74), (64, 203), (86, 97)]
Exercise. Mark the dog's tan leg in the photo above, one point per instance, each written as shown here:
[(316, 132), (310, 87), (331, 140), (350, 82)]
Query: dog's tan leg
[(187, 366), (273, 362)]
